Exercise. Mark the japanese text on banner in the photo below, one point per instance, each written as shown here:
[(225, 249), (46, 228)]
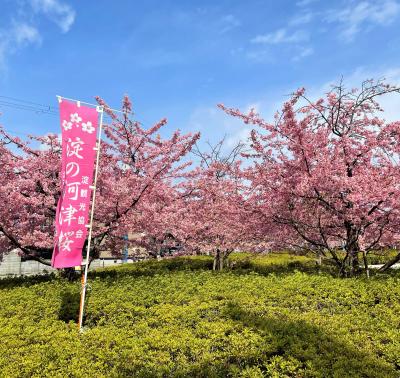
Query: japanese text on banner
[(79, 133)]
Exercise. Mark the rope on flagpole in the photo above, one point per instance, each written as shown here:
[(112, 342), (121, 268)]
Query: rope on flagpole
[(100, 109)]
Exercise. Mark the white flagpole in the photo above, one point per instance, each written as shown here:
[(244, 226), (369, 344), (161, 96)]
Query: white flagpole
[(100, 109)]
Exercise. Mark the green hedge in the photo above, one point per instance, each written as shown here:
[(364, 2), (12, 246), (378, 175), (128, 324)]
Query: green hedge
[(268, 317)]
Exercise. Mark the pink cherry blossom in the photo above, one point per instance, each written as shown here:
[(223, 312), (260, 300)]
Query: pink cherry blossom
[(326, 174), (137, 167)]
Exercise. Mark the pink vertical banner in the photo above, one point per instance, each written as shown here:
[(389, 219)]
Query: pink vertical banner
[(79, 134)]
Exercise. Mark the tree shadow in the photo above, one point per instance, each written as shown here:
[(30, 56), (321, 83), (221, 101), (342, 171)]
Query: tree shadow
[(139, 269), (289, 348), (153, 267), (66, 275), (317, 353), (10, 282), (242, 267), (69, 306), (309, 267)]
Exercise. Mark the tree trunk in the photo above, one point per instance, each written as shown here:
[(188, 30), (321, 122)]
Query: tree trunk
[(217, 258), (350, 265), (319, 261), (365, 263), (37, 258), (353, 261), (391, 262), (221, 261)]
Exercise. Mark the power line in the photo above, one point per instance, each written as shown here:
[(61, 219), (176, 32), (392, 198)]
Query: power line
[(29, 102), (20, 104)]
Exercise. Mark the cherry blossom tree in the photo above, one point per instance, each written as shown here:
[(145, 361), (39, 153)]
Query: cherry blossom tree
[(327, 173), (137, 169), (27, 195), (214, 215)]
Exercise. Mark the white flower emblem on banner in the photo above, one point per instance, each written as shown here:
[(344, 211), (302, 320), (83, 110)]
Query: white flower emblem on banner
[(75, 118), (87, 127), (67, 125)]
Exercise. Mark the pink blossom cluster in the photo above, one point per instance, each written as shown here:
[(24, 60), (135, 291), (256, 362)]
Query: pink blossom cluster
[(323, 176)]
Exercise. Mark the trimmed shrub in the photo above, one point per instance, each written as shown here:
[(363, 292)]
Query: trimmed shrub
[(177, 318)]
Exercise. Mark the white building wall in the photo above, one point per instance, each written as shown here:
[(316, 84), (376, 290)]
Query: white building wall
[(11, 265)]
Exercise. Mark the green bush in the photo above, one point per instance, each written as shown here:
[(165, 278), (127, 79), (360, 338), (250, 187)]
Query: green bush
[(271, 316)]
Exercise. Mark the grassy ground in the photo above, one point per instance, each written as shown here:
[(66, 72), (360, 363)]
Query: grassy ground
[(273, 316)]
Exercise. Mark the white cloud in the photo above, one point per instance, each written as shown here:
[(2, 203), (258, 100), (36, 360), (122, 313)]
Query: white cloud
[(24, 33), (238, 131), (241, 136), (260, 56), (285, 35), (214, 125), (305, 3), (304, 52), (366, 13), (20, 34), (281, 36), (59, 12), (228, 23), (212, 121), (389, 102), (301, 19), (22, 30), (205, 117)]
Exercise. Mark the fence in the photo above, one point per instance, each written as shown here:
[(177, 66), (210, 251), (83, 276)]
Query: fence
[(12, 265)]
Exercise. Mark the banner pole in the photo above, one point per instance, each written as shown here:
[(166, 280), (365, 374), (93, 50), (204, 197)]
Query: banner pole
[(84, 277)]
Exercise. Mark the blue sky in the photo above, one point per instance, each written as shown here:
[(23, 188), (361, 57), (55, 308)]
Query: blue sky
[(178, 59)]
